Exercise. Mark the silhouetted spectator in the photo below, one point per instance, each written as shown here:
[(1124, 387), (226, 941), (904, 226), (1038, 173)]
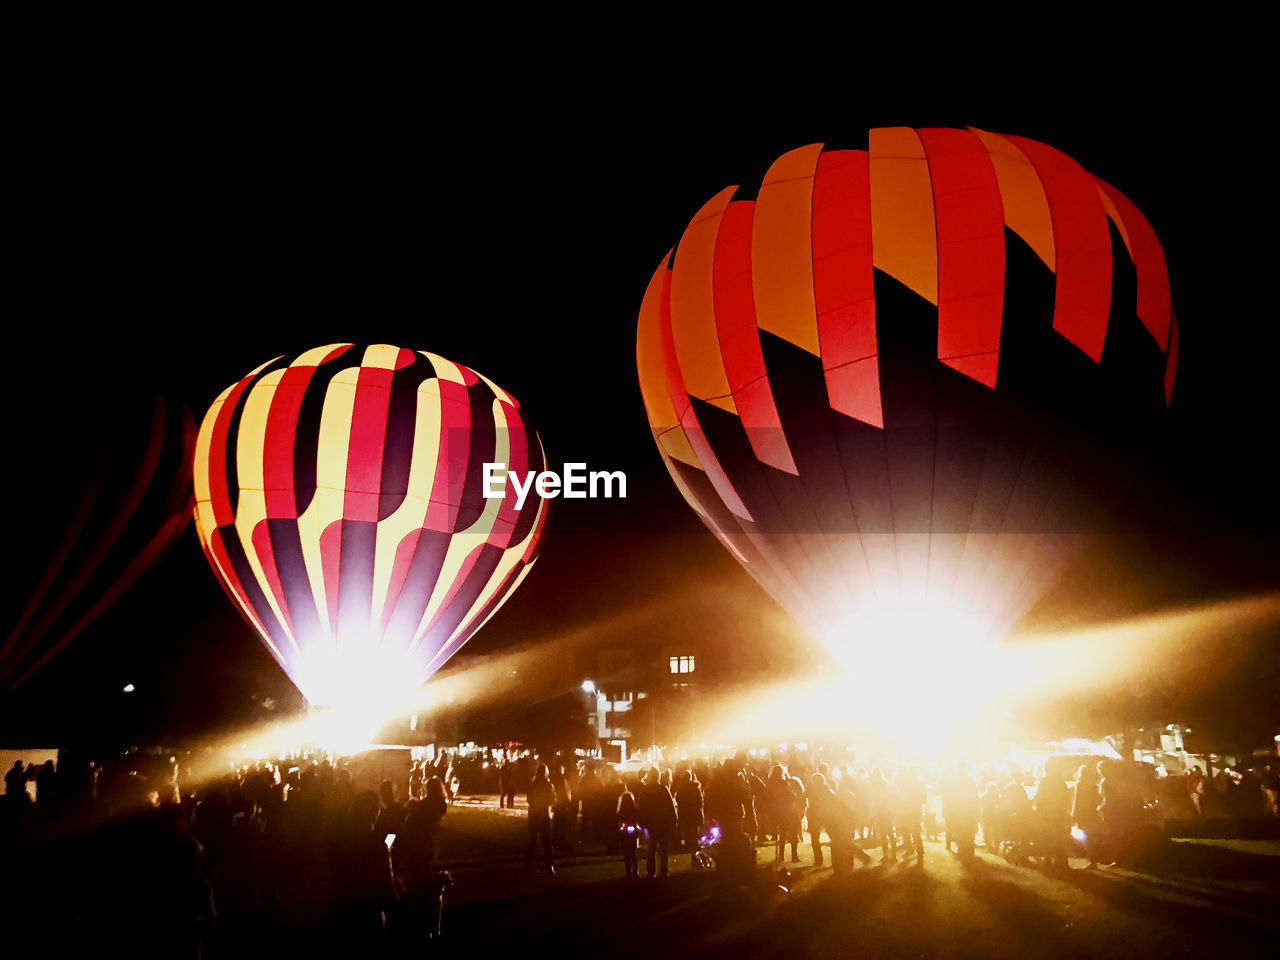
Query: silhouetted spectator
[(689, 813), (15, 780), (589, 793), (658, 817), (391, 818), (611, 789), (564, 811), (542, 797), (414, 854), (628, 830), (959, 809), (909, 798), (361, 868)]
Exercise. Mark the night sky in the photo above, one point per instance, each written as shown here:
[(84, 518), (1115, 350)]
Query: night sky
[(175, 242)]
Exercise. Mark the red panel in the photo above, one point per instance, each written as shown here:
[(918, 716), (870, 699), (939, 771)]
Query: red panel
[(331, 564), (364, 450), (277, 455), (1083, 295), (337, 351), (219, 494), (739, 340), (970, 225), (404, 358), (451, 464), (843, 284), (1148, 260), (980, 367), (1171, 367), (684, 409), (267, 557), (856, 387)]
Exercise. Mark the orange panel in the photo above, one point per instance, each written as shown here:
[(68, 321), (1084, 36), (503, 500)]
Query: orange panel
[(781, 249), (693, 312), (1026, 209), (904, 243), (653, 374)]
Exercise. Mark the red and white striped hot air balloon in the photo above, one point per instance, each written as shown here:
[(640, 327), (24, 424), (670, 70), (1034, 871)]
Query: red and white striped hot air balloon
[(339, 500)]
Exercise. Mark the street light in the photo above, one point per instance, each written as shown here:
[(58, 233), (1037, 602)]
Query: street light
[(588, 686), (129, 688)]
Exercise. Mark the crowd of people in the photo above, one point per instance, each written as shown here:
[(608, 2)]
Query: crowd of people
[(264, 849), (1101, 811), (276, 847)]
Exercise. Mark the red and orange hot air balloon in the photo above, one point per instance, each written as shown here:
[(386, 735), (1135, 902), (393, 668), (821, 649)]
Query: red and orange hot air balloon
[(899, 381), (339, 500)]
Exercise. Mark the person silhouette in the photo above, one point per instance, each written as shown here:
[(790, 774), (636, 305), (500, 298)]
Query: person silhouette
[(542, 797)]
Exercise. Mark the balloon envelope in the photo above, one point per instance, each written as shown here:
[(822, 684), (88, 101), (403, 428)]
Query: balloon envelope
[(109, 485), (900, 381), (340, 501)]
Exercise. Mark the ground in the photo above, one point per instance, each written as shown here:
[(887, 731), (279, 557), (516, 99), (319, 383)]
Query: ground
[(1188, 898)]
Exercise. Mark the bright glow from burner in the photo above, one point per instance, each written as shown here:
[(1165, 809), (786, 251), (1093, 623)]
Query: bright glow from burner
[(363, 677), (915, 671)]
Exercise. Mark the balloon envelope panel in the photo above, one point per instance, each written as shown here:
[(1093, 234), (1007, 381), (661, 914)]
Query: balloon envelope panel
[(340, 501), (909, 375), (112, 496)]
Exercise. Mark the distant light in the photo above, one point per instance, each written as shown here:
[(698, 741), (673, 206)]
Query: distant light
[(588, 686), (413, 721), (129, 688)]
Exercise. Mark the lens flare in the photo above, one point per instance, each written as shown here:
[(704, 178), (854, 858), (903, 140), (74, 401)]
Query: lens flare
[(913, 671)]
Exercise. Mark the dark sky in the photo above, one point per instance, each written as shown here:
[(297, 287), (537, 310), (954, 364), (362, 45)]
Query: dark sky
[(177, 238)]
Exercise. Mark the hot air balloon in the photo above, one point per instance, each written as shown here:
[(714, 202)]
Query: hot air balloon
[(901, 381), (339, 501), (118, 504)]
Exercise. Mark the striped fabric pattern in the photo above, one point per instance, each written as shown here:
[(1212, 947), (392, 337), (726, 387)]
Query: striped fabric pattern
[(843, 369), (339, 500)]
